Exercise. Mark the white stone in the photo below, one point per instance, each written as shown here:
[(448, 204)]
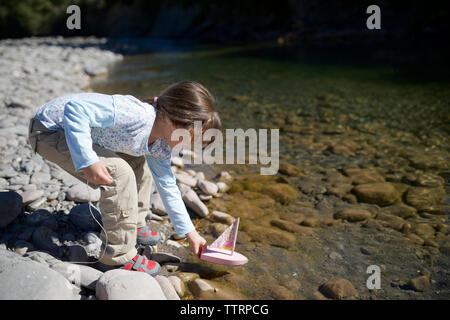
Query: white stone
[(167, 288), (222, 217), (119, 284), (177, 161), (199, 286), (82, 193), (208, 187), (194, 203), (177, 284), (183, 177)]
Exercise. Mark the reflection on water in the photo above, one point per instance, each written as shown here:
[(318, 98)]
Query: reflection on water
[(365, 127)]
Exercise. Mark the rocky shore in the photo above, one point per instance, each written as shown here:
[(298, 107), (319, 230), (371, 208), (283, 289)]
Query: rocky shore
[(45, 223)]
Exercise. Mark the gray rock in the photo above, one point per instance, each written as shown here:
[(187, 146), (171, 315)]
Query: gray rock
[(223, 187), (20, 179), (36, 204), (11, 207), (194, 203), (187, 179), (208, 187), (40, 177), (81, 217), (157, 205), (78, 274), (31, 195), (77, 253), (44, 238), (222, 217), (42, 257), (199, 286), (25, 279), (167, 288), (94, 250), (122, 284), (3, 182), (82, 193), (177, 284)]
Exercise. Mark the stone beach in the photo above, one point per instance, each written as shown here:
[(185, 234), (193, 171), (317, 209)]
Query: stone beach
[(350, 195)]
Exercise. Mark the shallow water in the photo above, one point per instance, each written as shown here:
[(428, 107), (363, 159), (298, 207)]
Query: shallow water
[(384, 106)]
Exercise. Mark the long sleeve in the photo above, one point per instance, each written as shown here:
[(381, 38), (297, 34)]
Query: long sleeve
[(170, 195), (79, 116)]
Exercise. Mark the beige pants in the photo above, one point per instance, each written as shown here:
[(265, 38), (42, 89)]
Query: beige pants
[(124, 204)]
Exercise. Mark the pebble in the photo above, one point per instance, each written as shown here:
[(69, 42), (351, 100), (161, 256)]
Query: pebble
[(36, 204), (199, 286), (82, 193), (174, 244), (222, 217), (157, 205), (339, 289), (194, 203), (31, 195), (177, 284), (167, 288), (419, 284), (185, 178), (40, 178), (208, 187)]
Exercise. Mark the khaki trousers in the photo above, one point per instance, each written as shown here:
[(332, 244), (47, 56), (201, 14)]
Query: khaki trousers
[(124, 204)]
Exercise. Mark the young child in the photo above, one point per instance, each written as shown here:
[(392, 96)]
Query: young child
[(117, 143)]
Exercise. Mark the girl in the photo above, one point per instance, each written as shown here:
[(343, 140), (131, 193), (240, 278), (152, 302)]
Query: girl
[(117, 143)]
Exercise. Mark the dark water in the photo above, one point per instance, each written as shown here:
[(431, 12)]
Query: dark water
[(388, 104)]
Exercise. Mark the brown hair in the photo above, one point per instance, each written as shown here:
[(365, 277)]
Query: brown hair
[(185, 102)]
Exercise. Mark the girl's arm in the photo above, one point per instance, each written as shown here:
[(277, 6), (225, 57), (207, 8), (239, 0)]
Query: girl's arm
[(170, 195), (79, 116)]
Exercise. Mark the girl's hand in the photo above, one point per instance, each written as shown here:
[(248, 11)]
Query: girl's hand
[(197, 243), (97, 173)]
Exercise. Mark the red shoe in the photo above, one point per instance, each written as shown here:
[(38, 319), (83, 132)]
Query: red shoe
[(141, 264), (147, 237)]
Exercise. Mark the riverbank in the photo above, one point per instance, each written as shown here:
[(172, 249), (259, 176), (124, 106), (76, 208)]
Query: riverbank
[(361, 183)]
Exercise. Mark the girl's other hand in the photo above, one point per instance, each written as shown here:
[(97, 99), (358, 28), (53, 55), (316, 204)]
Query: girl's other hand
[(197, 243), (98, 174)]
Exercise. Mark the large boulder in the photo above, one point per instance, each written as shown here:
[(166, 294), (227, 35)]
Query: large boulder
[(11, 207), (24, 279), (120, 284)]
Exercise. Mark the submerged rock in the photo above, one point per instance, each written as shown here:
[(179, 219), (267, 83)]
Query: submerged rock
[(422, 197), (377, 193), (339, 289), (353, 214)]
